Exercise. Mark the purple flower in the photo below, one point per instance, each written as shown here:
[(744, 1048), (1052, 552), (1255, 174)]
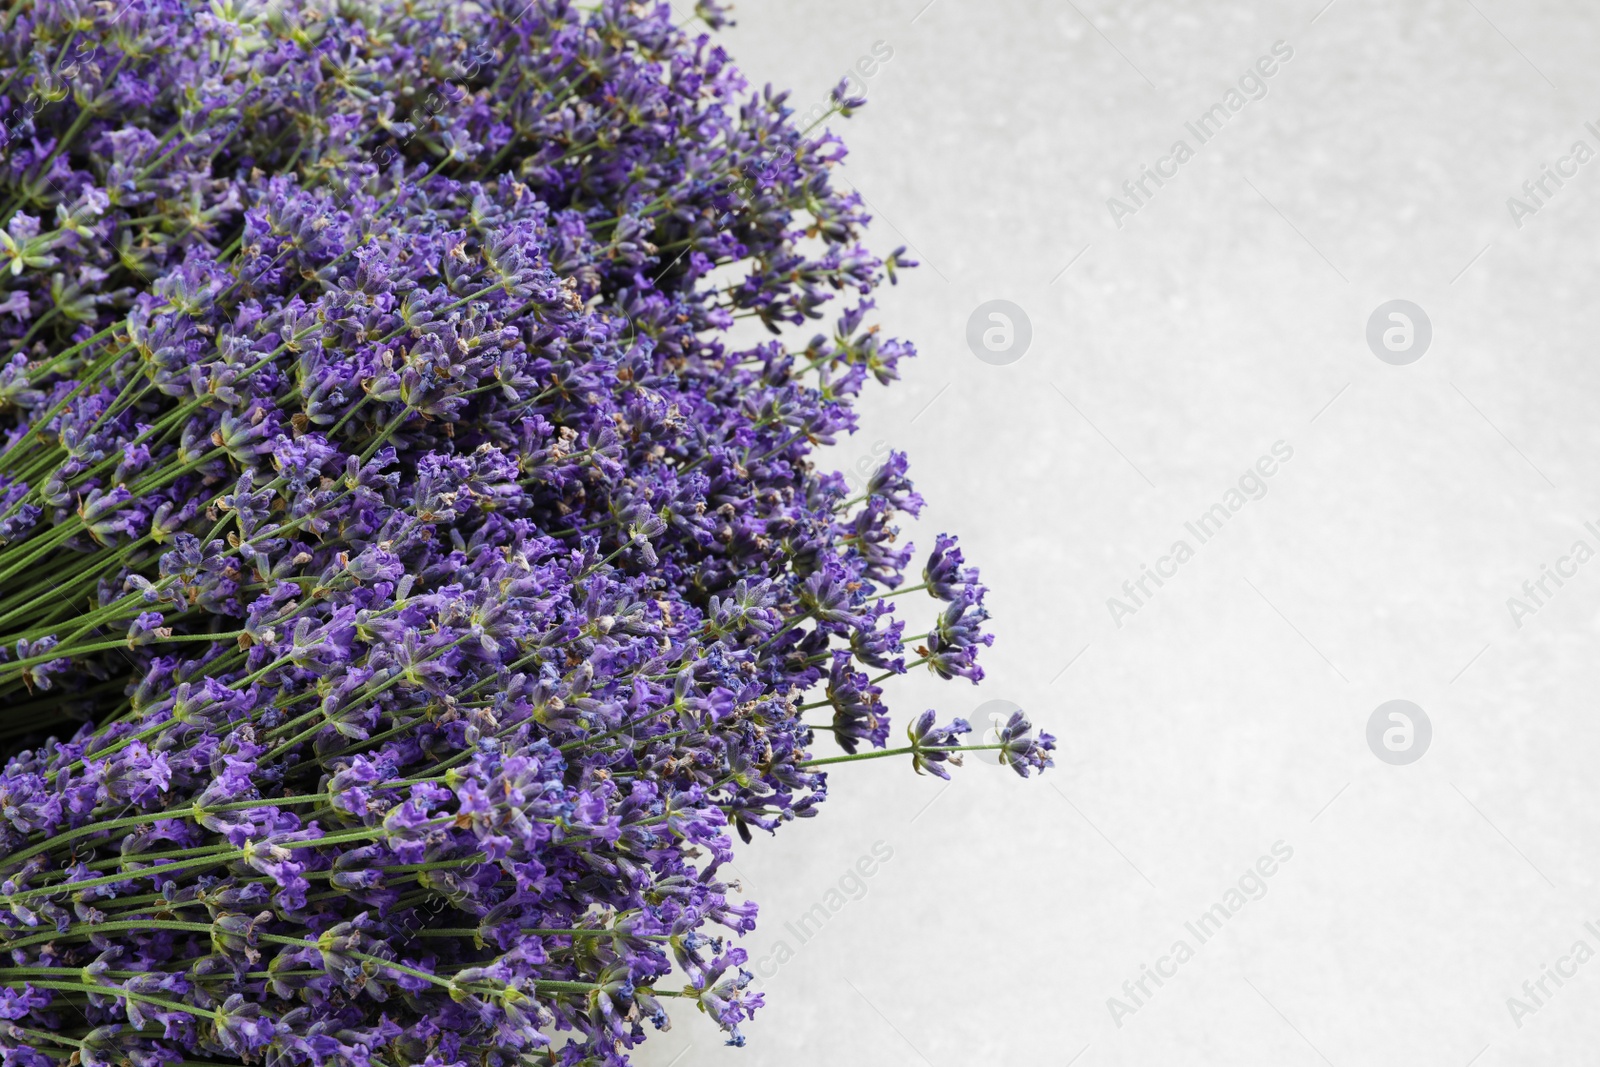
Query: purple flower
[(932, 744), (1021, 751), (428, 589)]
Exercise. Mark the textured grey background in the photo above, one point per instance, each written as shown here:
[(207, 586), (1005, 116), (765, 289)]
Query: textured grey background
[(1230, 712)]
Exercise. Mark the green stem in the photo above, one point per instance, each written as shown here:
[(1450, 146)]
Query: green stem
[(908, 750), (114, 991)]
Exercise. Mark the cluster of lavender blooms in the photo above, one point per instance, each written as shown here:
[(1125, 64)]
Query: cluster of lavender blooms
[(427, 588)]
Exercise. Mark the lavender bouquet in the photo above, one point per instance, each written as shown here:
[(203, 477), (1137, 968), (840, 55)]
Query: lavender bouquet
[(408, 591)]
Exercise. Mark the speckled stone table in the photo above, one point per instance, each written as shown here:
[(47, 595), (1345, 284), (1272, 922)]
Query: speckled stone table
[(1417, 539)]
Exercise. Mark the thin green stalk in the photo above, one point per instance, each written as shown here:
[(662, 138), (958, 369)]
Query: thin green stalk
[(881, 753)]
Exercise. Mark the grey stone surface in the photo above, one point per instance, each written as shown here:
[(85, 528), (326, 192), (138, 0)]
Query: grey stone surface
[(1227, 711)]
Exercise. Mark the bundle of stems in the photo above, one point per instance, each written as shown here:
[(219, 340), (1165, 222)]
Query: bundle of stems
[(408, 588)]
